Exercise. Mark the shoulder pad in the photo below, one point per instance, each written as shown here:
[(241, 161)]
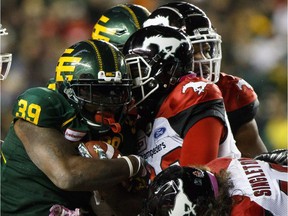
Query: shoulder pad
[(236, 92), (43, 107), (188, 93)]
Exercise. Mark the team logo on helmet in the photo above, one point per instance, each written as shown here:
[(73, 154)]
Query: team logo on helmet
[(158, 20), (167, 45), (197, 87), (66, 66), (98, 29), (182, 203)]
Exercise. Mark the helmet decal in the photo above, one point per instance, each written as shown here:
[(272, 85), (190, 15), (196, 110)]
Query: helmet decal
[(158, 20), (98, 54), (133, 15), (66, 71), (115, 58), (198, 87), (182, 203), (98, 28), (167, 45)]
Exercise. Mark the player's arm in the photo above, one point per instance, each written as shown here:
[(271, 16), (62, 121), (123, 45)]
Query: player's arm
[(59, 160), (248, 140), (278, 156), (201, 143)]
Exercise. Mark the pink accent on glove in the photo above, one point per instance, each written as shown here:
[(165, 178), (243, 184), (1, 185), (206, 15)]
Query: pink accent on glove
[(58, 210)]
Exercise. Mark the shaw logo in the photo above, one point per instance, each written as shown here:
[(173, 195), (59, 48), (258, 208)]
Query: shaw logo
[(159, 132)]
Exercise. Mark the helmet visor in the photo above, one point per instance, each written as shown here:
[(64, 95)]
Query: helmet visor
[(113, 95)]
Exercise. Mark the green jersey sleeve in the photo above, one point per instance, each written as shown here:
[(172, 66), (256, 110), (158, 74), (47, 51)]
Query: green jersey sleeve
[(44, 107)]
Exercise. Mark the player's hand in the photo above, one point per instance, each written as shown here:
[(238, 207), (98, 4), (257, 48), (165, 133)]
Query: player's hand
[(278, 156), (98, 149), (139, 181), (137, 166)]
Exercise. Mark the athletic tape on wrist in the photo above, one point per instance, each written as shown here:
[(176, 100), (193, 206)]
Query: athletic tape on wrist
[(139, 162), (131, 170)]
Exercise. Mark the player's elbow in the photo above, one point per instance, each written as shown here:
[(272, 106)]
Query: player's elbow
[(65, 179)]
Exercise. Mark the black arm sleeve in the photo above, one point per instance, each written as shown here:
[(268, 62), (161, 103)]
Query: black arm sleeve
[(241, 116)]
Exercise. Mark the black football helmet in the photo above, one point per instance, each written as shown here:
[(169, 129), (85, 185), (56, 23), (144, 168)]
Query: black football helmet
[(203, 36), (157, 56), (5, 58), (119, 22), (176, 191), (93, 76)]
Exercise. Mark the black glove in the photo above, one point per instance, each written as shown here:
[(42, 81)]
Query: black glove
[(278, 156)]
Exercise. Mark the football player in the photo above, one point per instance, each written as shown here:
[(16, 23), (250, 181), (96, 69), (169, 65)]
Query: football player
[(240, 99), (177, 109), (226, 186), (41, 167), (5, 58)]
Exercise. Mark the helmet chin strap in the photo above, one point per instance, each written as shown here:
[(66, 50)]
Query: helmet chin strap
[(115, 127)]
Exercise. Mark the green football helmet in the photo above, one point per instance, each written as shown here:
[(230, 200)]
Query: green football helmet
[(93, 76), (119, 22)]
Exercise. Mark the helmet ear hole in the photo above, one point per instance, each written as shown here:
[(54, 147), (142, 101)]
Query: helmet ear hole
[(173, 81), (152, 84)]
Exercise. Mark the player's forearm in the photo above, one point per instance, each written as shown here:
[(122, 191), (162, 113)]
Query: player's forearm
[(88, 174)]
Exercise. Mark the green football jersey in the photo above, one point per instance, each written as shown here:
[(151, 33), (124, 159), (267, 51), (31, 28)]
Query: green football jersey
[(25, 189)]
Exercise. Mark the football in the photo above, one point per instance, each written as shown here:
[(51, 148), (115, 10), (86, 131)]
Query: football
[(100, 149)]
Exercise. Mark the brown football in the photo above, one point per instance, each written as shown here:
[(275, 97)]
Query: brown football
[(100, 149)]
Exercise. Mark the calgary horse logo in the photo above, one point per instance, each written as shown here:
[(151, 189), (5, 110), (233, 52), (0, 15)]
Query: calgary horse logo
[(242, 83), (182, 205), (158, 20), (197, 87), (167, 45)]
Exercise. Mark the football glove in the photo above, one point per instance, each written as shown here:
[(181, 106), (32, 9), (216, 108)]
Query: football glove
[(278, 156)]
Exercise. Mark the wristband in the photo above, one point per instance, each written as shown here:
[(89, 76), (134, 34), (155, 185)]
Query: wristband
[(131, 170), (139, 162)]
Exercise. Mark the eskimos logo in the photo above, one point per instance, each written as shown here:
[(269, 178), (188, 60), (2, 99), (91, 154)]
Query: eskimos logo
[(66, 66)]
